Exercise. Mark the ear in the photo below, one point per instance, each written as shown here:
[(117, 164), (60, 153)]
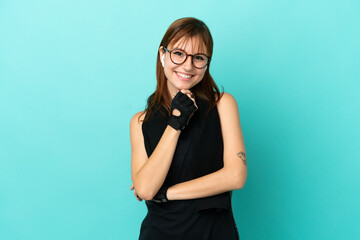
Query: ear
[(161, 51)]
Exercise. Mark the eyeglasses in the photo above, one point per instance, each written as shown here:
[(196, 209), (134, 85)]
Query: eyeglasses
[(179, 56)]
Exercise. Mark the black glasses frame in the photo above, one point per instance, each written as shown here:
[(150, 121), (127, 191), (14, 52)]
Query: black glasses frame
[(192, 57)]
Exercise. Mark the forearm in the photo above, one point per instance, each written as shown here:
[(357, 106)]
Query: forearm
[(214, 183), (152, 174)]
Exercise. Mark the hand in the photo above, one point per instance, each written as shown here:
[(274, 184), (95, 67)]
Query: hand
[(183, 107), (133, 188)]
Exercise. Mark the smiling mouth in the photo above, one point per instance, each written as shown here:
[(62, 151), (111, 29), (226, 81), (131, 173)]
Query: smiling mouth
[(183, 76)]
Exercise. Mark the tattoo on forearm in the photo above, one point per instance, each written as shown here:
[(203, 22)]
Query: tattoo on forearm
[(242, 156)]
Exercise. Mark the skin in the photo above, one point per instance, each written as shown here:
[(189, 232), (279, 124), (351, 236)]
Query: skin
[(231, 176), (176, 82)]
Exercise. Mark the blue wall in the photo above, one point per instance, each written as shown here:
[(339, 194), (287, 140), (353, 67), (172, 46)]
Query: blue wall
[(73, 73)]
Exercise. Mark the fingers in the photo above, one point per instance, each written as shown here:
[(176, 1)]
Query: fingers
[(135, 194), (137, 197), (188, 102), (194, 108), (189, 94)]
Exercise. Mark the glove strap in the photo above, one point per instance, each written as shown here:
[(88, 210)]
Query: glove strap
[(174, 123)]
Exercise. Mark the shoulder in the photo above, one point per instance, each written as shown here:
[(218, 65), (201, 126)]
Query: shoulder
[(227, 103), (137, 119)]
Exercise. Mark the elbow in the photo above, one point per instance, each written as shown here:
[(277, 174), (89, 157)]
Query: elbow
[(142, 189), (145, 194), (239, 179), (145, 197), (240, 184)]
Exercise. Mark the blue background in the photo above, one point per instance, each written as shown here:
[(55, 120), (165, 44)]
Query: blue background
[(73, 73)]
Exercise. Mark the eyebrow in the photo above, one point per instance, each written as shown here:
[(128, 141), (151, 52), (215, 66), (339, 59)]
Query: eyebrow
[(178, 48)]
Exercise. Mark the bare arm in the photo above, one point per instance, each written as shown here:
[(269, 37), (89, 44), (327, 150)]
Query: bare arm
[(148, 174), (233, 174)]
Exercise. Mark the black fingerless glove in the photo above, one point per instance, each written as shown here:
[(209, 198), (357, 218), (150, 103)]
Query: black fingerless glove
[(186, 107), (160, 197)]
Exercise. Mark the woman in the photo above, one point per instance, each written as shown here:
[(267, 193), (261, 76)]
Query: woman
[(187, 148)]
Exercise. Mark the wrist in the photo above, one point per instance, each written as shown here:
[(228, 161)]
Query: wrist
[(172, 129), (170, 193), (174, 123)]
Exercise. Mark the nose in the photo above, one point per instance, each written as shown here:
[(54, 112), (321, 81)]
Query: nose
[(188, 64)]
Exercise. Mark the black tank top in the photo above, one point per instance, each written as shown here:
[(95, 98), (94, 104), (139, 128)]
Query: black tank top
[(199, 151)]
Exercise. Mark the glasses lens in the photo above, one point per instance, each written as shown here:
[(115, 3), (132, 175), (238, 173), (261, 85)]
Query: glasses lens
[(178, 56), (200, 60)]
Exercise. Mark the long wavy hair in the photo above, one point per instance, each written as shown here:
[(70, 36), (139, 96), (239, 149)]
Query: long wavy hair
[(206, 89)]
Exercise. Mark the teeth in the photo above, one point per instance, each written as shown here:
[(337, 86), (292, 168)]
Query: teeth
[(183, 75)]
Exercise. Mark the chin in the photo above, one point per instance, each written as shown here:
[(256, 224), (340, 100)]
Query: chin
[(184, 87)]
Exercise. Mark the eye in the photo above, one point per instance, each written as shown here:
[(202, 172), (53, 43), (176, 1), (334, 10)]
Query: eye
[(178, 53), (199, 58)]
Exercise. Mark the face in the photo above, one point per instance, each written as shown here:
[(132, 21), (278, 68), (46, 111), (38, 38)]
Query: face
[(185, 75)]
